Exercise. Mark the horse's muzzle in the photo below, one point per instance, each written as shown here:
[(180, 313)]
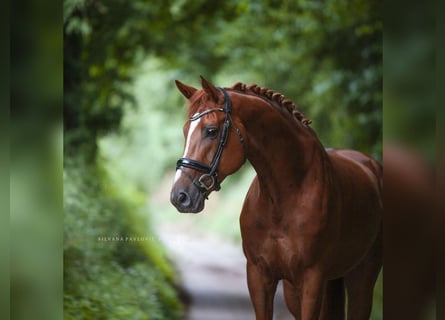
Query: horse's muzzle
[(187, 201)]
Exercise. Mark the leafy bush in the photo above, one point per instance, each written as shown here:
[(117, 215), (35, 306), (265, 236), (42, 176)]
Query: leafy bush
[(113, 267)]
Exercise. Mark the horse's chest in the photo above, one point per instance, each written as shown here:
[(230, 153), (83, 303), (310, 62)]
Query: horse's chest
[(277, 250), (281, 239)]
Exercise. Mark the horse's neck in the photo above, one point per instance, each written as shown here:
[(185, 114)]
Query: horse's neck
[(287, 156)]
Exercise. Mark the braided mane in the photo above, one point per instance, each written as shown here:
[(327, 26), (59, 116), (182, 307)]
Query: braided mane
[(273, 97)]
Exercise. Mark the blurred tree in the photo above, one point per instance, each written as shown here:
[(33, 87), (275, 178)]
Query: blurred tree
[(104, 43), (324, 54)]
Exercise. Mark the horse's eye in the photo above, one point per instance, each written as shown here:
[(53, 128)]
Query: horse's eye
[(211, 132)]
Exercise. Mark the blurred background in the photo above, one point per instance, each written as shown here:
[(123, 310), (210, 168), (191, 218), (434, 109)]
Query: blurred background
[(98, 235), (127, 253)]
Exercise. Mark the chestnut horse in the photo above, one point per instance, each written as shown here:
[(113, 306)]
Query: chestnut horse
[(312, 216)]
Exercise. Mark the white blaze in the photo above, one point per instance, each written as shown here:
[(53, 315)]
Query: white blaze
[(193, 126)]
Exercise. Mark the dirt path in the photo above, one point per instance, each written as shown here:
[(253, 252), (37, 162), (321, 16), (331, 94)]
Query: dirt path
[(213, 274)]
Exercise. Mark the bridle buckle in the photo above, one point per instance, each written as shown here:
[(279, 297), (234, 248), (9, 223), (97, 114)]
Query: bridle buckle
[(207, 181)]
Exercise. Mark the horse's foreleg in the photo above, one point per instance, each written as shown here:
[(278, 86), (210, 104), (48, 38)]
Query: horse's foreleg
[(262, 289), (312, 291), (292, 298)]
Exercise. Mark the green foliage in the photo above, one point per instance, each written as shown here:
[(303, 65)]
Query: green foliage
[(377, 302), (410, 112), (326, 56), (105, 40), (114, 267)]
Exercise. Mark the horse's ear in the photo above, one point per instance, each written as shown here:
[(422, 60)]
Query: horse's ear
[(212, 91), (186, 90)]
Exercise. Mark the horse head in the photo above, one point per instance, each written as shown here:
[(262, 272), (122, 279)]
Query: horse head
[(213, 149)]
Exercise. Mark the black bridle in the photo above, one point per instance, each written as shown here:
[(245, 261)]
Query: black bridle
[(210, 177)]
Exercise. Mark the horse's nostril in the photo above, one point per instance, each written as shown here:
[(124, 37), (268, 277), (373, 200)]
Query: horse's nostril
[(184, 199)]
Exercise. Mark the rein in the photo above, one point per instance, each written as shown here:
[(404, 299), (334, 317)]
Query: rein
[(210, 177)]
